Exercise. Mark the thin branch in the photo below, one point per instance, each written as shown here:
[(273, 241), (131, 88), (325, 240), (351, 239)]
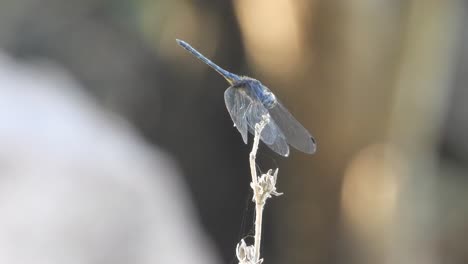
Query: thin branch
[(263, 187), (259, 202)]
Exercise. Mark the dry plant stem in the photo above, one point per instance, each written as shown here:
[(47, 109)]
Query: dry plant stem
[(259, 202), (264, 187), (258, 229)]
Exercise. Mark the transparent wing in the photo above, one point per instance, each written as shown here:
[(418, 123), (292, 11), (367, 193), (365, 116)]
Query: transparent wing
[(294, 133), (255, 115), (271, 135), (279, 145), (246, 112), (237, 104)]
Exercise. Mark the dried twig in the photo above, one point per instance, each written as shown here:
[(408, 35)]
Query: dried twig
[(263, 187)]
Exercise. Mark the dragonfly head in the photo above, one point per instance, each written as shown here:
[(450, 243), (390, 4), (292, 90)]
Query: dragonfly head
[(268, 99)]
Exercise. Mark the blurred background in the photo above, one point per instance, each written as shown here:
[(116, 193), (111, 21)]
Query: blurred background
[(116, 147)]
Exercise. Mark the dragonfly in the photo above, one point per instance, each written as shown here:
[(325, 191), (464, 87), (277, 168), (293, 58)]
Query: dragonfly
[(248, 102)]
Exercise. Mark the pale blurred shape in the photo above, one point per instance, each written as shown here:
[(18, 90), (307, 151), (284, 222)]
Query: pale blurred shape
[(79, 185), (272, 35), (370, 191)]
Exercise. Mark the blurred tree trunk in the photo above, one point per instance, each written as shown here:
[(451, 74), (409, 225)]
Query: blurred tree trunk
[(379, 74), (422, 90)]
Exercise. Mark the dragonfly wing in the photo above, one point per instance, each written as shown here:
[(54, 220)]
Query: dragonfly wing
[(237, 104), (247, 112), (294, 133), (271, 134), (255, 115), (280, 146)]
